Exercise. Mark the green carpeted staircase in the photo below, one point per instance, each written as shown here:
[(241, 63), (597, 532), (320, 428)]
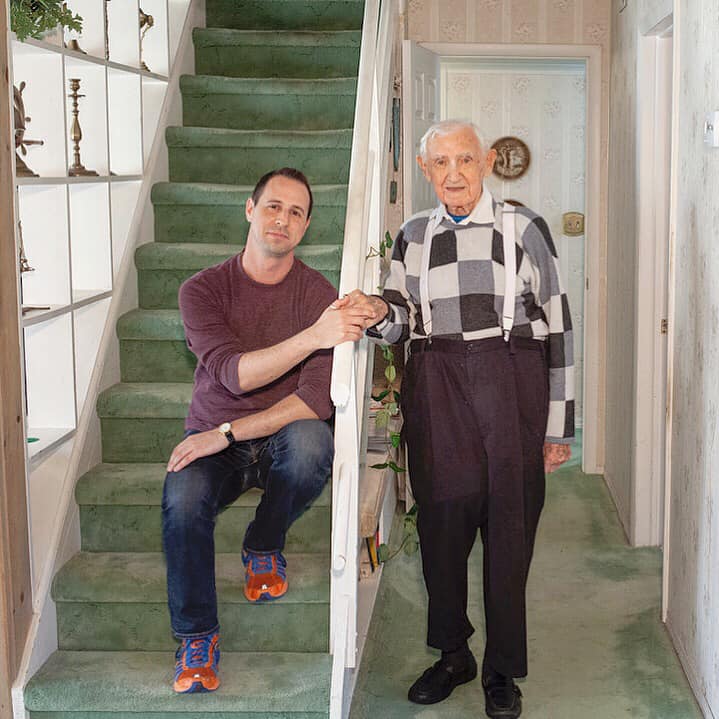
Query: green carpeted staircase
[(275, 85)]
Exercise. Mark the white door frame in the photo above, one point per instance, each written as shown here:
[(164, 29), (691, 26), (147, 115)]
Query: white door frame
[(595, 299), (651, 280)]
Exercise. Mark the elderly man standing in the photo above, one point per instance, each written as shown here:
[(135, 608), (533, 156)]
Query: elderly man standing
[(487, 400)]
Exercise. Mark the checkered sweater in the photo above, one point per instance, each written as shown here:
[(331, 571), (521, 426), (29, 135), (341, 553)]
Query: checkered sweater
[(465, 285)]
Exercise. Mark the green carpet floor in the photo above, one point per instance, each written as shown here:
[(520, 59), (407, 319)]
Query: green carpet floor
[(597, 647)]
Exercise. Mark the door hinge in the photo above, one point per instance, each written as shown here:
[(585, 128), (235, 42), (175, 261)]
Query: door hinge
[(664, 326)]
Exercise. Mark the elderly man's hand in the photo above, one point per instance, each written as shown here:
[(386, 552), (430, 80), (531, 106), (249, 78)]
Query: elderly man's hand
[(373, 307), (555, 455)]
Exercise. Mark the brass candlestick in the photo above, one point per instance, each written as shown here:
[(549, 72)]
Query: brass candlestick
[(21, 143), (77, 169), (146, 22)]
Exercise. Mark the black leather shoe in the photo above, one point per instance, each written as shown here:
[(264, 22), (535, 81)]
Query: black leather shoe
[(502, 698), (439, 681)]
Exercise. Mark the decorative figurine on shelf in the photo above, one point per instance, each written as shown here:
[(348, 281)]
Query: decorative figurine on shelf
[(77, 169), (21, 120), (146, 22), (24, 264)]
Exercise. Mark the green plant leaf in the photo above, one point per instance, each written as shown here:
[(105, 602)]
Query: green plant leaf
[(390, 373), (397, 396), (395, 439), (387, 354), (388, 239), (392, 408), (382, 553), (411, 547), (379, 466), (382, 419), (396, 468), (379, 397)]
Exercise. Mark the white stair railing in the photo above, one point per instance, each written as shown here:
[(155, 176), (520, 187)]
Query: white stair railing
[(351, 371)]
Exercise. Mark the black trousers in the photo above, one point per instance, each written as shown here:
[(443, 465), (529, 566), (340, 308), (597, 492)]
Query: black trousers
[(475, 422)]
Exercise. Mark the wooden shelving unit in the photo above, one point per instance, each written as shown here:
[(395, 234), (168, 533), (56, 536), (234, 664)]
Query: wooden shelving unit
[(75, 229)]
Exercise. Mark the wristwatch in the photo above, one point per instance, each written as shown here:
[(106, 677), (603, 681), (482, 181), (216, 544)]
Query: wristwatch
[(226, 429)]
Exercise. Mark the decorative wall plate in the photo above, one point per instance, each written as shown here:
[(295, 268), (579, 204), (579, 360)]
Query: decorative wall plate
[(513, 158)]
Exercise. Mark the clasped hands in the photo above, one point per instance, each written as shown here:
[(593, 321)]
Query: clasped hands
[(346, 319)]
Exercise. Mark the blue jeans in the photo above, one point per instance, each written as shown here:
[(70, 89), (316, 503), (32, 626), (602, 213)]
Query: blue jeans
[(292, 466)]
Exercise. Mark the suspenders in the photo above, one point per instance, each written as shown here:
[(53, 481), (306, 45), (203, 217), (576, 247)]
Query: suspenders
[(510, 269)]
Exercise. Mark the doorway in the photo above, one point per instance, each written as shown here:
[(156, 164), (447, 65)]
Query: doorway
[(548, 97)]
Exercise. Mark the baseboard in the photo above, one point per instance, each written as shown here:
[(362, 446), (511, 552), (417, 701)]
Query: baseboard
[(691, 673), (622, 511)]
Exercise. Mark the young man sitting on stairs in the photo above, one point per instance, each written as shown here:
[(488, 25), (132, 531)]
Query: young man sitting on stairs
[(262, 325)]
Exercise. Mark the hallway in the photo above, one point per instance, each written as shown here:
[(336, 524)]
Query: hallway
[(597, 648)]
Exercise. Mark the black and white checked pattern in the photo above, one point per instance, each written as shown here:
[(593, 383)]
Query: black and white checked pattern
[(466, 292)]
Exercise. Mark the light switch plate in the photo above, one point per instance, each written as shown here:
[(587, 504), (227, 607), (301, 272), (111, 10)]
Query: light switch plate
[(711, 129)]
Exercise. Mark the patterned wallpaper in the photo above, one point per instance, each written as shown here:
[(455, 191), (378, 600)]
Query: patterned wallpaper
[(694, 545), (544, 105), (582, 22)]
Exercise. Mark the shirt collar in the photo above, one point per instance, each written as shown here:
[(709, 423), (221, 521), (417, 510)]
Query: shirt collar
[(482, 213)]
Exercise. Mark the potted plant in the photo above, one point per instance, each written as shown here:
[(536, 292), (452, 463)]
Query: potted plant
[(34, 18)]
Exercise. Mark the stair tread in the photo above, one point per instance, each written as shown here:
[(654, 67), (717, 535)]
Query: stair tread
[(199, 193), (141, 682), (140, 484), (214, 37), (199, 255), (221, 137), (140, 577), (141, 324), (220, 85), (156, 400)]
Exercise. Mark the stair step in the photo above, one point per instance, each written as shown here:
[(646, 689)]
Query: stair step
[(285, 14), (241, 157), (277, 104), (268, 53), (140, 484), (121, 685), (120, 512), (118, 601), (153, 347), (196, 212), (164, 266)]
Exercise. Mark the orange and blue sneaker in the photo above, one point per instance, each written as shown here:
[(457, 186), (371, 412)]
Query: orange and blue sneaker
[(265, 575), (196, 663)]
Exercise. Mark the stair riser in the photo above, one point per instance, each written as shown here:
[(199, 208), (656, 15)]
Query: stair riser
[(278, 14), (158, 289), (112, 528), (275, 627), (290, 61), (156, 361), (275, 112), (226, 224), (245, 165)]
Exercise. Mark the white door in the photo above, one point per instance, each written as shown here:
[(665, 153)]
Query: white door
[(420, 81)]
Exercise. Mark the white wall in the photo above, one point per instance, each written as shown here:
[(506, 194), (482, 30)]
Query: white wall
[(692, 549), (543, 103)]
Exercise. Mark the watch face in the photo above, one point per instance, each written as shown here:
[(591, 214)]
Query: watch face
[(225, 427)]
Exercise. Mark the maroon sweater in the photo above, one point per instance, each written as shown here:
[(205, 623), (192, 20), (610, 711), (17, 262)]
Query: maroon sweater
[(226, 313)]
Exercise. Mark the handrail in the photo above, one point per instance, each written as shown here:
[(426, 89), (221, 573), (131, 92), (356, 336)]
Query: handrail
[(351, 371)]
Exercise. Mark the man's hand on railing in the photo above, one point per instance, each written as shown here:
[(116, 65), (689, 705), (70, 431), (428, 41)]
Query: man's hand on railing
[(341, 322), (374, 307)]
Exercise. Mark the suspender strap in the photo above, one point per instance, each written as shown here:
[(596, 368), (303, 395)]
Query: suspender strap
[(510, 268)]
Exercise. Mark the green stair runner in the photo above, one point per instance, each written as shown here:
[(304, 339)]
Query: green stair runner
[(275, 85)]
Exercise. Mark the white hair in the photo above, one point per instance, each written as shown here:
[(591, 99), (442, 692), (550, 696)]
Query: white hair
[(447, 127)]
